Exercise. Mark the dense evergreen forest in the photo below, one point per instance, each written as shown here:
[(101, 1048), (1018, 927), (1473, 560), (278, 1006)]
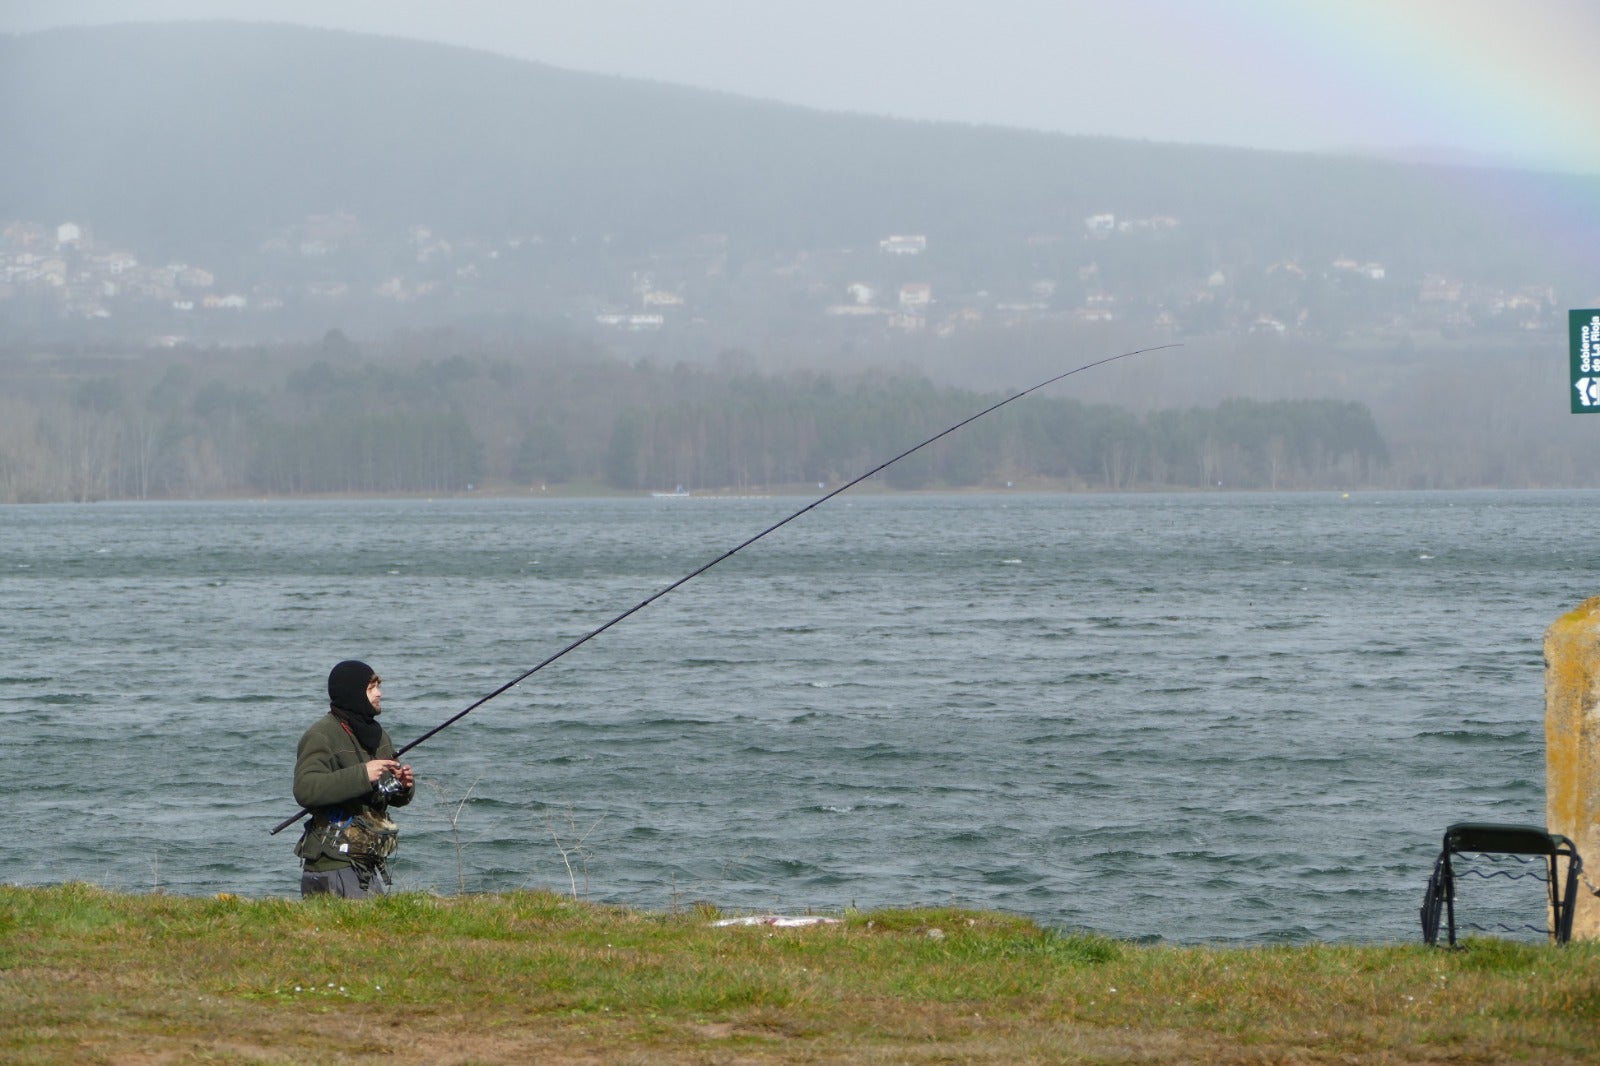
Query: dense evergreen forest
[(424, 415)]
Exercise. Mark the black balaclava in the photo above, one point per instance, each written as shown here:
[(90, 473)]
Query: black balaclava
[(347, 692)]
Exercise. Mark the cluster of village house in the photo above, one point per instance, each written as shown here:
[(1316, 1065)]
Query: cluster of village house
[(910, 306), (87, 281), (82, 279)]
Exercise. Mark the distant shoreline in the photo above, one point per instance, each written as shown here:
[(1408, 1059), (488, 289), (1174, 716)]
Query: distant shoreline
[(783, 492)]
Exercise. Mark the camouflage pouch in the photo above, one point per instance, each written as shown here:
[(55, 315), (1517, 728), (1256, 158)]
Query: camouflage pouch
[(365, 838), (369, 837)]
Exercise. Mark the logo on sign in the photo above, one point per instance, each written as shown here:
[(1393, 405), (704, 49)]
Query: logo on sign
[(1583, 328)]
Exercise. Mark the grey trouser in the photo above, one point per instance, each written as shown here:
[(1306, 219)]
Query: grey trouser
[(346, 882)]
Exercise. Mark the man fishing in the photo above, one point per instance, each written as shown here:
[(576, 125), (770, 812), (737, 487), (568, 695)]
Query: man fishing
[(347, 776)]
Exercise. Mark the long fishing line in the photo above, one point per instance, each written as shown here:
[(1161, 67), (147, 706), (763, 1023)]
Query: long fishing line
[(653, 597)]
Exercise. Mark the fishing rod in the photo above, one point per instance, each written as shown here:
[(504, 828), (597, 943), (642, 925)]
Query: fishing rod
[(685, 579)]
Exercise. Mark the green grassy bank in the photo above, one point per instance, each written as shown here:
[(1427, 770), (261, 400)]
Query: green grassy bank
[(88, 975)]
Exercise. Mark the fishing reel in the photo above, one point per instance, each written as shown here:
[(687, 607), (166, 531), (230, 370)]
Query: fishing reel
[(388, 788)]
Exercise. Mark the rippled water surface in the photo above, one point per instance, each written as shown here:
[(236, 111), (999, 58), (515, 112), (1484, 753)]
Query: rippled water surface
[(1194, 718)]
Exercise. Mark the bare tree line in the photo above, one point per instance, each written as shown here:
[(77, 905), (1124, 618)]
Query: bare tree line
[(457, 416)]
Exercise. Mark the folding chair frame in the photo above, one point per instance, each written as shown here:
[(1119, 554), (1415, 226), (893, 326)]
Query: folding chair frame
[(1493, 838)]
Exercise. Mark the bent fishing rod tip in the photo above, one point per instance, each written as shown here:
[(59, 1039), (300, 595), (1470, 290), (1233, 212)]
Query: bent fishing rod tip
[(745, 544)]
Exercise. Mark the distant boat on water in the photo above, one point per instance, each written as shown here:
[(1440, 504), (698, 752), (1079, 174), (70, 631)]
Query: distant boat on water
[(676, 493)]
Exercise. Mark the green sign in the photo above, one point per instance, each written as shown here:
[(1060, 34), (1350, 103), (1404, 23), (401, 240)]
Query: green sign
[(1584, 329)]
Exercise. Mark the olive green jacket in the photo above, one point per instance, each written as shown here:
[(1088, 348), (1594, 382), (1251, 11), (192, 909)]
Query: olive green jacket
[(330, 778)]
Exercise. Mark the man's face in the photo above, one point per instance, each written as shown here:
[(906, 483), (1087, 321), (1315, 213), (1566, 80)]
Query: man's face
[(375, 694)]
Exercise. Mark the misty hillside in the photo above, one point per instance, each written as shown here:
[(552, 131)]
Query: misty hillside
[(193, 138), (168, 189)]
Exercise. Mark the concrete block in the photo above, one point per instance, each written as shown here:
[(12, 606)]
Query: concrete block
[(1572, 748)]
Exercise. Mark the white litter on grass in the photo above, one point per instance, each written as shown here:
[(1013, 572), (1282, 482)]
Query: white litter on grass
[(782, 921)]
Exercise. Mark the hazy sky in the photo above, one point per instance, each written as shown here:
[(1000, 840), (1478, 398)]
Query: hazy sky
[(1506, 80)]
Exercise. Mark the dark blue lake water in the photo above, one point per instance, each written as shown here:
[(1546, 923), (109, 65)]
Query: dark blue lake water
[(1219, 718)]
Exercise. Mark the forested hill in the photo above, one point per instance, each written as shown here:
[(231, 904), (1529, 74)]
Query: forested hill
[(189, 139)]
